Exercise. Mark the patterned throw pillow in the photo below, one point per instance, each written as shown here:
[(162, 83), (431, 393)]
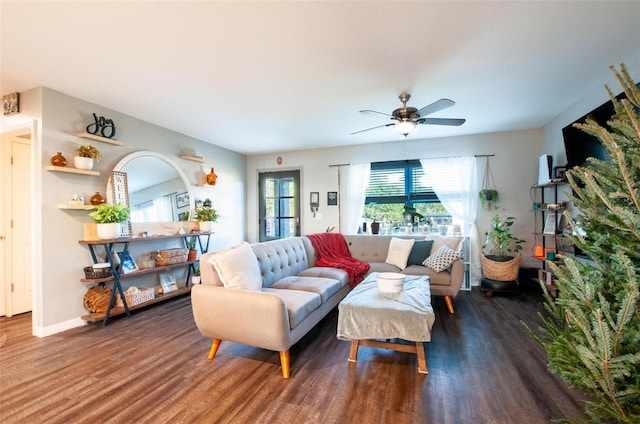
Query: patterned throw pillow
[(442, 259), (399, 250)]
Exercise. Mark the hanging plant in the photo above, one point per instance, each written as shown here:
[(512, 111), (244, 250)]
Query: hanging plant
[(488, 195)]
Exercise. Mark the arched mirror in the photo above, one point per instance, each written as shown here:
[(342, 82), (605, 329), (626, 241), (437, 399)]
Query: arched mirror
[(158, 190)]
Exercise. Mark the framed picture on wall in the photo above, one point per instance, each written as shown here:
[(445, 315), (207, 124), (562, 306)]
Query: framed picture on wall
[(182, 200), (550, 224), (332, 198)]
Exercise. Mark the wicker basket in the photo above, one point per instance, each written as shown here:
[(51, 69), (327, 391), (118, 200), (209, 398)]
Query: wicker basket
[(136, 296), (95, 273), (170, 256), (501, 271)]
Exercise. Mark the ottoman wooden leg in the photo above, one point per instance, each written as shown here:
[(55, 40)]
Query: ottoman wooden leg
[(422, 361), (353, 354)]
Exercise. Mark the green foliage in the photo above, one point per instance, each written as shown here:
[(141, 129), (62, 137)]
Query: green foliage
[(489, 197), (108, 213), (500, 241), (592, 334), (88, 151), (206, 214)]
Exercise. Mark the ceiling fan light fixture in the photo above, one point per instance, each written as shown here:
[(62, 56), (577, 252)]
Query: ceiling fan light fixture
[(405, 127)]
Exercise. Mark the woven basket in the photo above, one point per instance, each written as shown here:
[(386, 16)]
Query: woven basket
[(137, 297), (501, 271), (95, 273), (170, 256)]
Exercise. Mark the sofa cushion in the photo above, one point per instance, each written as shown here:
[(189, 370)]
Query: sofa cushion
[(399, 250), (442, 259), (237, 267), (326, 272), (325, 287), (383, 267), (442, 278), (299, 303), (419, 252)]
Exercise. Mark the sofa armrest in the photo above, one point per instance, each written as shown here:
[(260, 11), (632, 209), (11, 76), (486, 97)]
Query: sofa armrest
[(457, 277), (249, 317)]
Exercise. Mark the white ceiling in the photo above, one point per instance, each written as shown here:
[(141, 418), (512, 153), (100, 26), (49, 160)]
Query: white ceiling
[(274, 76)]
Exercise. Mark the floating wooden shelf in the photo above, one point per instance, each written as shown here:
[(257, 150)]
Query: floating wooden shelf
[(198, 159), (100, 139), (71, 170), (79, 207), (100, 316)]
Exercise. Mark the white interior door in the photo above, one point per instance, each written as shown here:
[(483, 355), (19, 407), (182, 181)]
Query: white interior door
[(17, 284)]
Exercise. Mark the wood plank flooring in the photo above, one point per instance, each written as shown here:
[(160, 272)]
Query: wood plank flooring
[(152, 368)]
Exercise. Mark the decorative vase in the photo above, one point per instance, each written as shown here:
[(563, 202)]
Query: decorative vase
[(97, 199), (81, 162), (375, 227), (108, 231), (211, 177), (205, 226), (59, 160)]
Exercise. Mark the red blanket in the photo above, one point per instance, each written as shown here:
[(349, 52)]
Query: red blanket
[(332, 251)]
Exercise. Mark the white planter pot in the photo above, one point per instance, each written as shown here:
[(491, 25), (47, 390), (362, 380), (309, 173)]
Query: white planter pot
[(108, 231), (195, 279), (206, 226), (83, 163)]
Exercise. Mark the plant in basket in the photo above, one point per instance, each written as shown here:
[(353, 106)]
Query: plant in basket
[(501, 250)]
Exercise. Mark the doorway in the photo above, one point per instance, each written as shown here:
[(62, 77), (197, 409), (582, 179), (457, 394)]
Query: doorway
[(279, 205), (15, 226)]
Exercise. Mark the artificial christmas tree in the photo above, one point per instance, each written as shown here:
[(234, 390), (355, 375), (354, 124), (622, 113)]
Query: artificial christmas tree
[(592, 335)]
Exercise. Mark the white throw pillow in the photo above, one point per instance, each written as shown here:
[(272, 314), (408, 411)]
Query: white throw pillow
[(442, 259), (238, 267), (399, 251)]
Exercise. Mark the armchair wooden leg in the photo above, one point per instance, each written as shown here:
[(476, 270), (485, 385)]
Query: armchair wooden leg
[(284, 362), (449, 301), (214, 348)]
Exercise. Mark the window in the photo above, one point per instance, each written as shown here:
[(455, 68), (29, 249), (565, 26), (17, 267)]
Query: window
[(394, 185), (279, 205)]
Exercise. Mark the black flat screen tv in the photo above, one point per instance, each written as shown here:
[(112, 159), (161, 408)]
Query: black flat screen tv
[(579, 145)]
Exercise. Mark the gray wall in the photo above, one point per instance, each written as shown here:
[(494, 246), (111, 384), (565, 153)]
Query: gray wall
[(59, 257)]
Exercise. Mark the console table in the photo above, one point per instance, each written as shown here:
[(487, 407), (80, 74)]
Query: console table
[(117, 275)]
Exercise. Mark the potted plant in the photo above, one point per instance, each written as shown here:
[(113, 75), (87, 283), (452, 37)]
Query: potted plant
[(501, 250), (375, 226), (108, 218), (489, 197), (205, 216), (85, 157), (191, 245), (195, 278)]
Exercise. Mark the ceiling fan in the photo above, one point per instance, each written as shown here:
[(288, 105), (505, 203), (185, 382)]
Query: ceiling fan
[(408, 118)]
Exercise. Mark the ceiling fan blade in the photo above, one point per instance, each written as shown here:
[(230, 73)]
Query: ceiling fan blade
[(454, 122), (436, 106), (372, 128), (375, 111)]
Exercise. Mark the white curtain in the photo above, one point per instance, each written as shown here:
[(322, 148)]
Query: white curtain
[(455, 182), (353, 181)]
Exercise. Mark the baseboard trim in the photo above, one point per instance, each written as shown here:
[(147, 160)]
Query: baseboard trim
[(58, 328)]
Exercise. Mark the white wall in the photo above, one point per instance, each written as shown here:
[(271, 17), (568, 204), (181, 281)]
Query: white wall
[(514, 169), (59, 258)]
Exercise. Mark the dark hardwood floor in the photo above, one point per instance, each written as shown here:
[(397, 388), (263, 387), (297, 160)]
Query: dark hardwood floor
[(483, 368)]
